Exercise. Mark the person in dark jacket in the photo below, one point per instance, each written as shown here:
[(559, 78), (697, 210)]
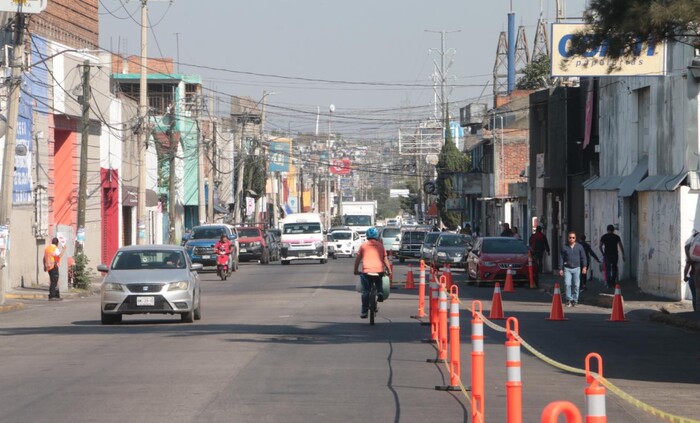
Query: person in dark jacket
[(538, 245), (589, 253), (506, 230), (572, 262)]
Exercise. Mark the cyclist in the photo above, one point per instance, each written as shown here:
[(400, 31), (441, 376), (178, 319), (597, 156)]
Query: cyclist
[(375, 264)]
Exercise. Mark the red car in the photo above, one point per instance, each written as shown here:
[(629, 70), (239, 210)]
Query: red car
[(491, 257), (253, 245)]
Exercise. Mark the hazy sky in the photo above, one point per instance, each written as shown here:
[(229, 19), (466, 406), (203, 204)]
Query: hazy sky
[(370, 58)]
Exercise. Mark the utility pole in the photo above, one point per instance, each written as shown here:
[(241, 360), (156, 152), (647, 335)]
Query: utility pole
[(172, 182), (300, 191), (212, 163), (82, 185), (8, 164), (144, 132), (238, 195)]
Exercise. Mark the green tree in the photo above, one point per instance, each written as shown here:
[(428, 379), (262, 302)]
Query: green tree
[(451, 161), (536, 74), (620, 24)]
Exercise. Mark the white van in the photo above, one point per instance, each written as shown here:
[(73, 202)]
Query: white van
[(303, 238)]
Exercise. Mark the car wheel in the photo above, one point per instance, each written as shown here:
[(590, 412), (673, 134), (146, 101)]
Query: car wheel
[(285, 262), (324, 261), (198, 311), (187, 317), (110, 319)]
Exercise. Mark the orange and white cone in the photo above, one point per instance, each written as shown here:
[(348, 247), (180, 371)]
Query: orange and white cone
[(496, 304), (618, 312), (557, 312), (410, 283), (509, 280)]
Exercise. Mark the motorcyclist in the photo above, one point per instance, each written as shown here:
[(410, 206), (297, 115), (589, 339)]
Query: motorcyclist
[(375, 264), (223, 246)]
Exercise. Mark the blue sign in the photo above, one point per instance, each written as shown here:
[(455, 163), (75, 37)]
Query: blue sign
[(280, 152), (22, 182)]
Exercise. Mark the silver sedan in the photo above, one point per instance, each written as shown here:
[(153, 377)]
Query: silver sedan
[(144, 279)]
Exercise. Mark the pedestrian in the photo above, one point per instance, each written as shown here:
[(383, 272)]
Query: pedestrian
[(516, 234), (506, 230), (539, 245), (52, 261), (572, 263), (608, 246), (477, 232), (689, 272), (589, 253)]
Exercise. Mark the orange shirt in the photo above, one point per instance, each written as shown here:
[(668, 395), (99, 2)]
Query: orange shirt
[(52, 257), (372, 254)]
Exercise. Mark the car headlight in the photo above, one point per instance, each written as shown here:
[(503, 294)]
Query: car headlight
[(179, 286), (284, 245), (488, 264), (111, 286), (255, 243), (441, 254), (458, 256)]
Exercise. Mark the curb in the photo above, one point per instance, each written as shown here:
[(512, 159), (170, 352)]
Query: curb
[(670, 319), (11, 307), (43, 295)]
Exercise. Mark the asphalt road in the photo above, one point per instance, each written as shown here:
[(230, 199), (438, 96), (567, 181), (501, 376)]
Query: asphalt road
[(286, 344)]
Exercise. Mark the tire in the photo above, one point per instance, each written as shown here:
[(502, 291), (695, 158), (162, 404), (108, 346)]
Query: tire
[(372, 309), (285, 262), (110, 319), (324, 261), (265, 258), (221, 274), (187, 317), (198, 311)]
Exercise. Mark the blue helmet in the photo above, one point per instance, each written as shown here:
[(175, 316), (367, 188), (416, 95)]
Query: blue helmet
[(372, 233)]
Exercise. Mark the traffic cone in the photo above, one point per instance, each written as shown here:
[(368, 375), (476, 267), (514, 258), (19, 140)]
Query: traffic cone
[(509, 280), (557, 312), (496, 304), (618, 312), (410, 283), (449, 277)]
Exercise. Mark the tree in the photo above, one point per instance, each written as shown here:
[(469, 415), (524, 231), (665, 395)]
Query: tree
[(536, 74), (622, 24), (451, 161)]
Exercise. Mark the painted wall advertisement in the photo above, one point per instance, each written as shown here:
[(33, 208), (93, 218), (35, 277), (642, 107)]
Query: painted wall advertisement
[(649, 59), (22, 183)]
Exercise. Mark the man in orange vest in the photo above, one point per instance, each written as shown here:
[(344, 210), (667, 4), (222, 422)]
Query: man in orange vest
[(52, 260)]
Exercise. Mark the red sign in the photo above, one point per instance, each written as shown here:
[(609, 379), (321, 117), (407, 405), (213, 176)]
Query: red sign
[(340, 166)]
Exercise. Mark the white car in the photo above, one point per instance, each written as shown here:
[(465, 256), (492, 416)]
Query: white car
[(347, 243)]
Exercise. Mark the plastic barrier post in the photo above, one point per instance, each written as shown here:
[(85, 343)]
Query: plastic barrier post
[(433, 290), (514, 385), (449, 276), (551, 413), (441, 323), (455, 359), (477, 362), (595, 394), (531, 271), (421, 292), (410, 283)]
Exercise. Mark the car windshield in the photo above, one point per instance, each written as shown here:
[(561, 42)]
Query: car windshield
[(358, 220), (504, 246), (302, 228), (413, 236), (431, 237), (390, 232), (148, 259), (208, 233), (342, 235), (248, 232), (453, 241)]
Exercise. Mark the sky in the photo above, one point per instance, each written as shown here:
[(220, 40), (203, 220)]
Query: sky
[(371, 59)]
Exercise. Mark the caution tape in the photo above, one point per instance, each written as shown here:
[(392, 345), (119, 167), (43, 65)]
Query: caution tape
[(609, 385)]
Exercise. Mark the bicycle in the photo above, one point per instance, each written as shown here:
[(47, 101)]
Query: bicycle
[(372, 302)]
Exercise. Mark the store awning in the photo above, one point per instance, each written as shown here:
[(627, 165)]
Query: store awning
[(630, 182), (661, 182), (603, 183)]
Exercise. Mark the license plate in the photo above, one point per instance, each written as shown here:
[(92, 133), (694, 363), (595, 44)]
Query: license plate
[(302, 254), (243, 250), (510, 272), (145, 301), (456, 260), (207, 257)]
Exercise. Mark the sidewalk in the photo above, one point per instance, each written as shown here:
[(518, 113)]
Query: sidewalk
[(15, 296), (662, 310)]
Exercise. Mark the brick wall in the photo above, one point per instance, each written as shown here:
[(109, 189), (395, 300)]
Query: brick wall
[(516, 157), (133, 65), (74, 23)]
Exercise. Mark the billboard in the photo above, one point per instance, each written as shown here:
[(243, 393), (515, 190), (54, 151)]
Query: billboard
[(280, 154), (649, 59), (24, 6), (340, 166)]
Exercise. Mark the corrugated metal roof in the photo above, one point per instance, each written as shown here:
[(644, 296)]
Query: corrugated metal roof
[(604, 183), (630, 182), (661, 182)]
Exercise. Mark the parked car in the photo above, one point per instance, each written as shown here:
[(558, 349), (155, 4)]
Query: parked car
[(426, 249), (490, 258), (391, 238), (330, 245), (450, 248), (347, 242), (144, 279), (253, 244), (411, 242), (200, 244), (273, 245)]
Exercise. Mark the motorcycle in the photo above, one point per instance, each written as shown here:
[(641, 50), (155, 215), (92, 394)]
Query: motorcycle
[(222, 270)]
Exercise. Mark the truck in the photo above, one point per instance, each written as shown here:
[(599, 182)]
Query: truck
[(303, 238), (359, 215)]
